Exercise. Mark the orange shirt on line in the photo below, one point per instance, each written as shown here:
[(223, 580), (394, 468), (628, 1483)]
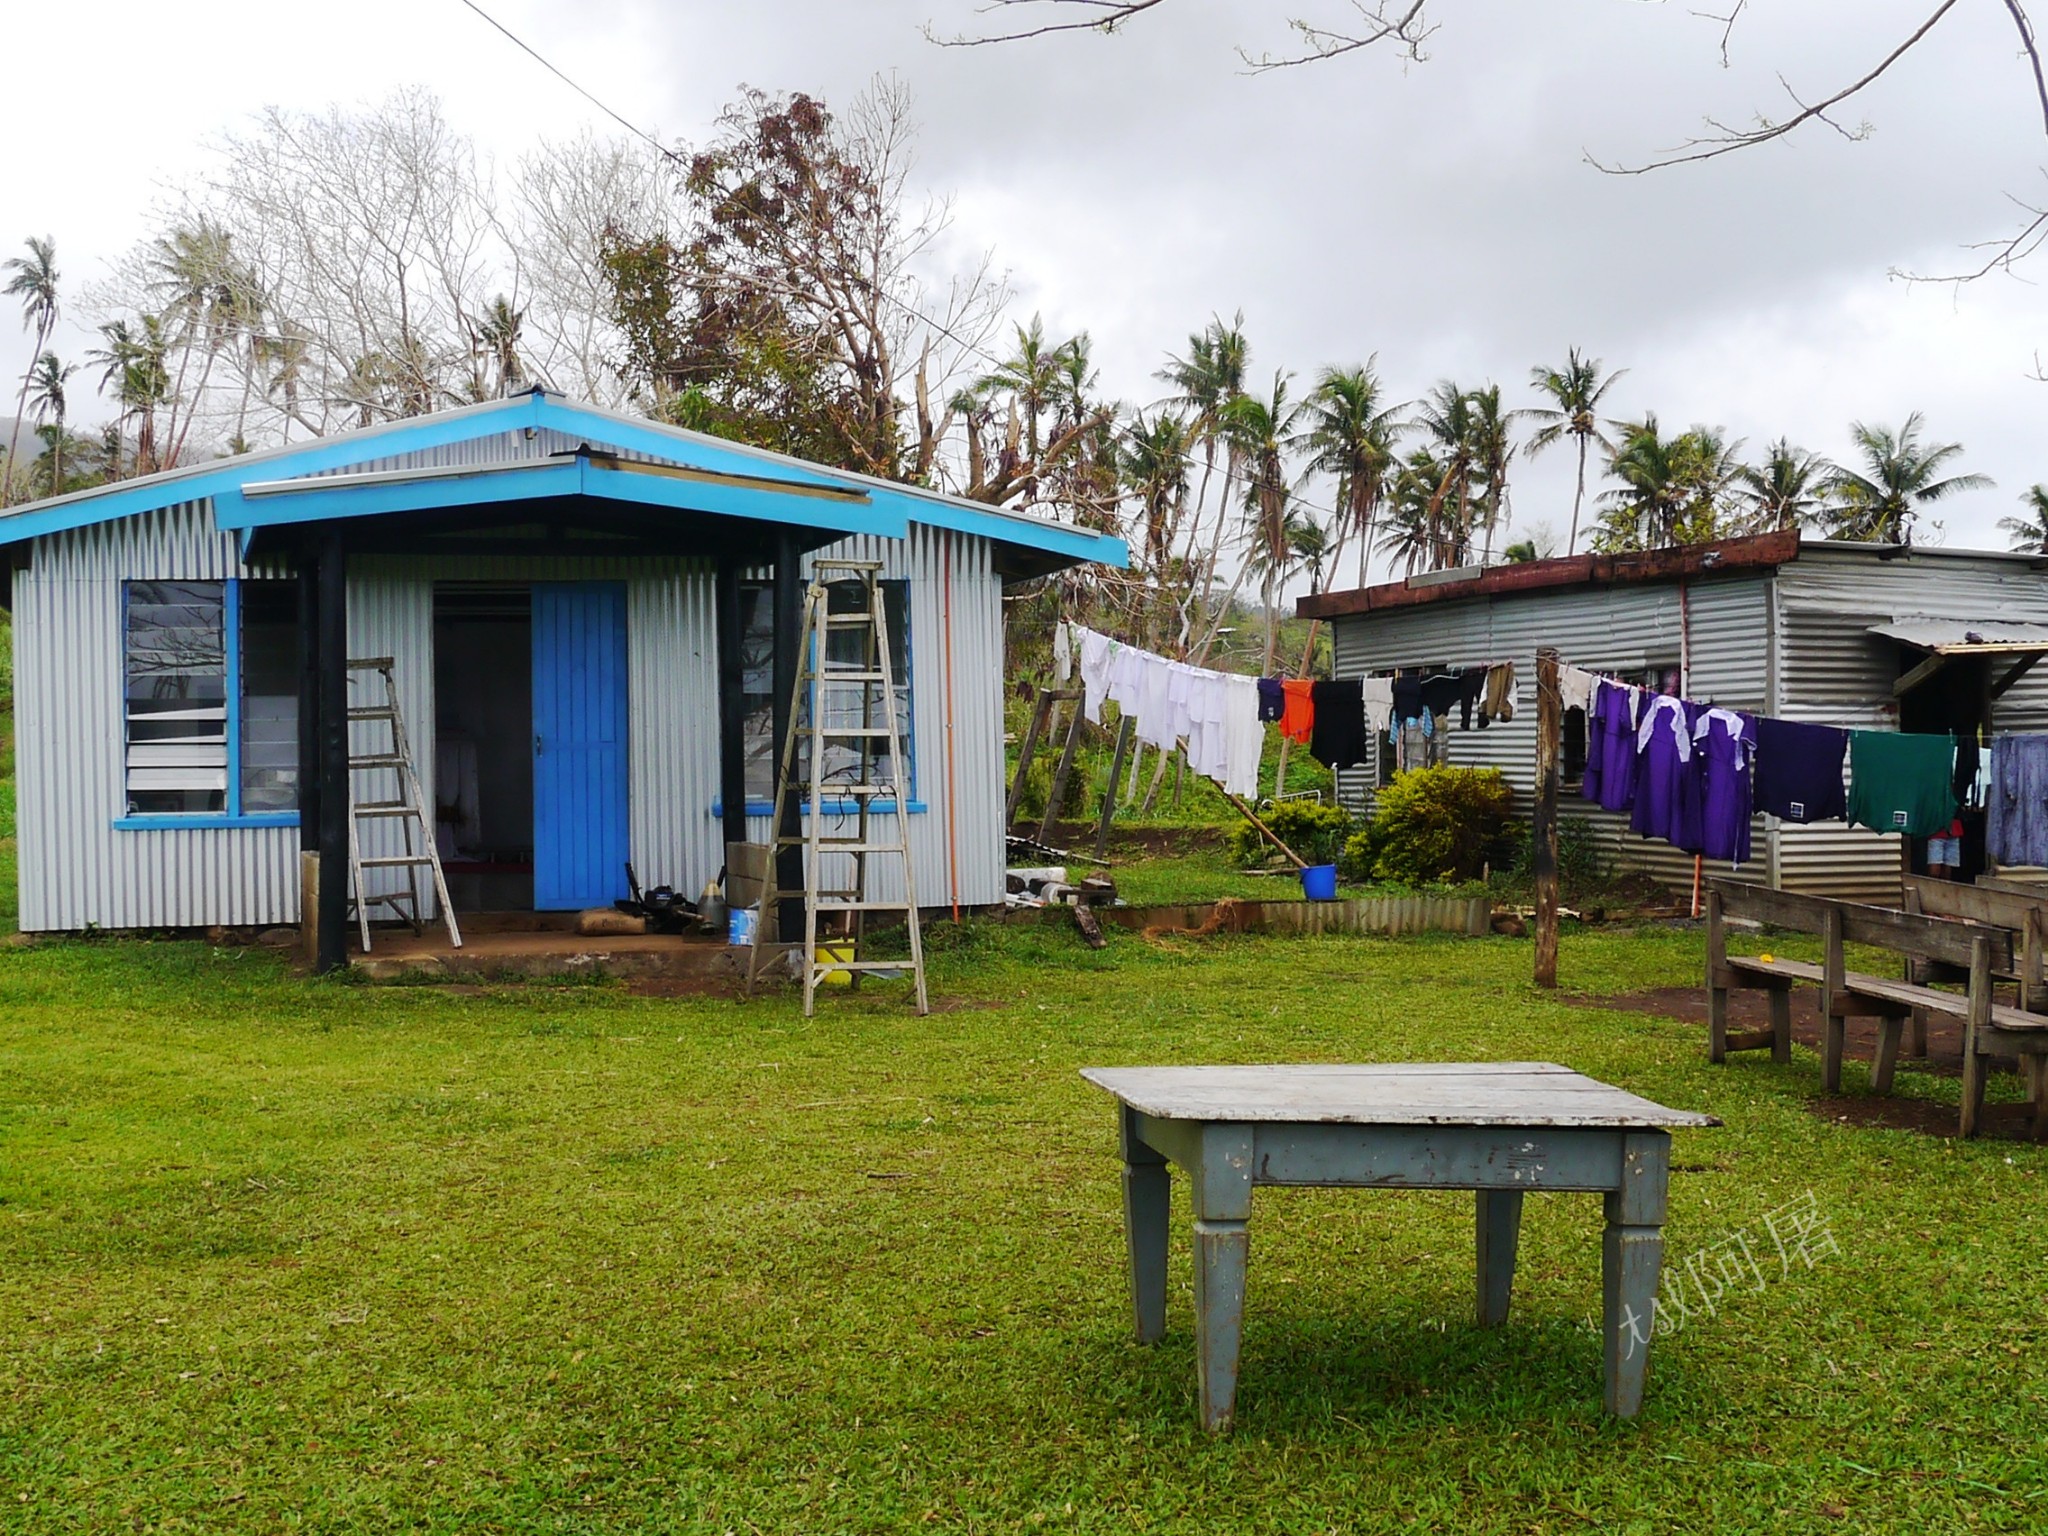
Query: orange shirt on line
[(1298, 710)]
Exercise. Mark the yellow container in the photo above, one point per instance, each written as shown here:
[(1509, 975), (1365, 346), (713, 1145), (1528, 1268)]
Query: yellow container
[(827, 953)]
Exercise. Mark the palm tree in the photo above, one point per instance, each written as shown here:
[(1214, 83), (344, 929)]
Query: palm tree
[(1880, 504), (1207, 380), (1575, 392), (1784, 490), (494, 340), (1261, 434), (1350, 437), (2030, 532), (133, 362), (1493, 447), (46, 396), (1409, 533), (33, 280), (1643, 512), (1154, 464), (1447, 418)]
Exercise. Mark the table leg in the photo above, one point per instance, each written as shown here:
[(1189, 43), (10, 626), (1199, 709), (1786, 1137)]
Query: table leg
[(1147, 1196), (1500, 1227), (1632, 1252), (1222, 1180)]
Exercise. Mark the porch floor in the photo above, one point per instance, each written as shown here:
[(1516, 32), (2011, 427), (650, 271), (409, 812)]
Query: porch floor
[(538, 944)]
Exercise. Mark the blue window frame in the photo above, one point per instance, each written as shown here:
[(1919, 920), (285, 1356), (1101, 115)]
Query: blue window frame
[(209, 704)]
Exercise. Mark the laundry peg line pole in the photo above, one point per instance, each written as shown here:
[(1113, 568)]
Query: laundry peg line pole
[(1549, 734)]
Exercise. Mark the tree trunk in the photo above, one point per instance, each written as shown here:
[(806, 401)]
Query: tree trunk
[(1571, 544)]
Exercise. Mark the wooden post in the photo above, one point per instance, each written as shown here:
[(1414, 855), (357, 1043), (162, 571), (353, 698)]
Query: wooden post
[(1058, 793), (1116, 769), (1549, 734), (1040, 708)]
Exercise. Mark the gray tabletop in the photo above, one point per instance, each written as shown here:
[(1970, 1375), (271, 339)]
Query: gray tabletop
[(1404, 1093)]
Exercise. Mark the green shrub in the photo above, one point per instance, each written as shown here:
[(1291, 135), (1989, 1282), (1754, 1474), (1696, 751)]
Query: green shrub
[(1313, 830), (1080, 804), (1437, 824)]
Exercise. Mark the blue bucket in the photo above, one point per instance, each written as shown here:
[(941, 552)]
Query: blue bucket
[(1319, 882)]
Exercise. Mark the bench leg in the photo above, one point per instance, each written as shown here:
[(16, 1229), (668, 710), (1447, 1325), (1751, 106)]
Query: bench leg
[(1781, 1025), (1975, 1069), (1631, 1254), (1148, 1194), (1834, 1039), (2037, 1093), (1717, 1024), (1500, 1228), (1916, 1035), (1882, 1065)]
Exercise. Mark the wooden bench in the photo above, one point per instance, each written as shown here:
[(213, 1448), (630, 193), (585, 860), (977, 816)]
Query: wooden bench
[(2020, 909), (1978, 952)]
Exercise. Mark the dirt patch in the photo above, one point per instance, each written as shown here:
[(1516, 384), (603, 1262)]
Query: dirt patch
[(1751, 1010)]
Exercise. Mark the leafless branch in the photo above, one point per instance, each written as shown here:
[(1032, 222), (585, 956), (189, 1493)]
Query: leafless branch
[(1726, 141), (1727, 25), (2005, 253), (2025, 27), (1402, 24), (1105, 16)]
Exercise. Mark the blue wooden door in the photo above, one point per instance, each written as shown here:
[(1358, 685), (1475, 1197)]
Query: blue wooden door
[(580, 802)]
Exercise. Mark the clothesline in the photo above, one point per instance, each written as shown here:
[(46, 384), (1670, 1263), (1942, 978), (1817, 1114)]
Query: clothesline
[(1693, 774)]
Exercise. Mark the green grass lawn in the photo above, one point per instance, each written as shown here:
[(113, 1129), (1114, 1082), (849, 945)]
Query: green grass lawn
[(290, 1255)]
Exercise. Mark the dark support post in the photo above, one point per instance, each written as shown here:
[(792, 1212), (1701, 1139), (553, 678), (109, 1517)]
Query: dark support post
[(309, 702), (309, 752), (789, 596), (732, 709), (332, 636), (1549, 735)]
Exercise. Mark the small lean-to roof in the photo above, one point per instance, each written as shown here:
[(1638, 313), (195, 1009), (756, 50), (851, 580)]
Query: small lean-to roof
[(1965, 637), (630, 457)]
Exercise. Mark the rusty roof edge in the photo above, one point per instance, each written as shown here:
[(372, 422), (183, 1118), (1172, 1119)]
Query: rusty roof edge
[(1761, 551)]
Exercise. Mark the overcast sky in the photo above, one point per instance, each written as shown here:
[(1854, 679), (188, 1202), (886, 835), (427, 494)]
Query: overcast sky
[(1441, 215)]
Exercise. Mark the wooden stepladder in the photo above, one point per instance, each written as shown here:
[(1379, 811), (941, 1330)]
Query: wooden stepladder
[(845, 695), (406, 804)]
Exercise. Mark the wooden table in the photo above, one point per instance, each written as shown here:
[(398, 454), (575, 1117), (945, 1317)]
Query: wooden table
[(1500, 1128)]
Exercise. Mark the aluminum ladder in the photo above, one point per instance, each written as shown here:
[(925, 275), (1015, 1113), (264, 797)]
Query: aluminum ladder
[(831, 693), (407, 806)]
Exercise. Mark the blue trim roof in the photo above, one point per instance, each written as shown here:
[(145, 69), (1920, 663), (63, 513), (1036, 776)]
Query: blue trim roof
[(779, 488)]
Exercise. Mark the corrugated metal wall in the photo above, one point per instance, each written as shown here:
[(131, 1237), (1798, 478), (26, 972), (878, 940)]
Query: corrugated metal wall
[(76, 870), (1793, 643), (1619, 629), (1836, 673)]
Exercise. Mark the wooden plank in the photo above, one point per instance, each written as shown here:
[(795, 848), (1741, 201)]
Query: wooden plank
[(2019, 670), (1750, 1039), (1973, 903), (1437, 1156), (1937, 938), (1788, 971), (1781, 909), (1920, 674), (1549, 731), (1482, 1093)]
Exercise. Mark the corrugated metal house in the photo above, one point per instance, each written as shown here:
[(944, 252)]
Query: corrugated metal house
[(558, 585), (1862, 636)]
